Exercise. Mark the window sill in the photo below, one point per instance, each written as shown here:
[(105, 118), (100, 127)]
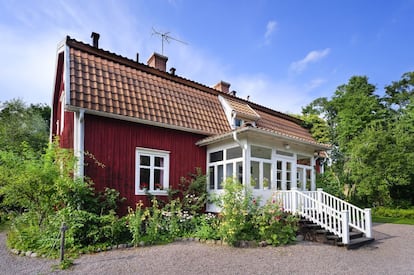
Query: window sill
[(153, 192)]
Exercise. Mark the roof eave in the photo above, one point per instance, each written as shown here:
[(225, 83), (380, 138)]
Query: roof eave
[(138, 120), (217, 138)]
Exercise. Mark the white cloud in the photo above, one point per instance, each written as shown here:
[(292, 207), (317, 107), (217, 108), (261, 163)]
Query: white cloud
[(315, 83), (311, 57), (271, 27), (280, 95), (28, 54)]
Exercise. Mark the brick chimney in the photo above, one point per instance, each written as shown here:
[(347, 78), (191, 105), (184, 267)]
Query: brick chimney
[(223, 87), (158, 61)]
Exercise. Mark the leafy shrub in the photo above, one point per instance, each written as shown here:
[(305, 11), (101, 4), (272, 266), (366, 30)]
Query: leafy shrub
[(207, 227), (275, 226), (46, 194), (238, 207), (242, 219), (394, 213)]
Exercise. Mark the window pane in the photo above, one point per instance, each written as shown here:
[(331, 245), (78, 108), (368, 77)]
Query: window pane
[(238, 122), (266, 175), (261, 152), (158, 179), (211, 177), (220, 177), (159, 162), (144, 160), (216, 156), (234, 153), (144, 178), (308, 179), (279, 175), (279, 165), (239, 169), (283, 153), (229, 170), (254, 180)]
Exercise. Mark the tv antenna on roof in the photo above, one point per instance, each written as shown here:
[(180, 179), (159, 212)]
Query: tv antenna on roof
[(165, 37)]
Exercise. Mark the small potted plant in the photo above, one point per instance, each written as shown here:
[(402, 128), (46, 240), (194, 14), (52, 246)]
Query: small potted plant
[(143, 185), (265, 183)]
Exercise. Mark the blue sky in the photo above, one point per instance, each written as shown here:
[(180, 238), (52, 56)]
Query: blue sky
[(283, 54)]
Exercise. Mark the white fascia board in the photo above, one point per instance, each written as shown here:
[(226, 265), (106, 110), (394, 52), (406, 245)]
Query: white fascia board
[(66, 79), (228, 110), (138, 120)]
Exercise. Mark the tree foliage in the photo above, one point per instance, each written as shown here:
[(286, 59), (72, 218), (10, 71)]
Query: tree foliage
[(372, 138), (21, 123)]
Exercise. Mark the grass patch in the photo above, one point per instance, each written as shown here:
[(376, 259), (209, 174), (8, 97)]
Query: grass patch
[(393, 215), (394, 220)]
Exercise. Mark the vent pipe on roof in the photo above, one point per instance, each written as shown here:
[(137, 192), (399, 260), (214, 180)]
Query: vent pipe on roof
[(95, 38), (223, 87), (158, 61), (137, 57), (172, 70)]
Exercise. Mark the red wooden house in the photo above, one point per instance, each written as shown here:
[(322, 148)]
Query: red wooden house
[(149, 127)]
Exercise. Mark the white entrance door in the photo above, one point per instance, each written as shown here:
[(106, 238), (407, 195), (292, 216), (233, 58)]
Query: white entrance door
[(304, 177), (284, 174)]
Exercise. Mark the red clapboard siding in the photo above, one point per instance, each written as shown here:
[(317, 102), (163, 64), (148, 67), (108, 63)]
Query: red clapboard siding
[(66, 137), (113, 143)]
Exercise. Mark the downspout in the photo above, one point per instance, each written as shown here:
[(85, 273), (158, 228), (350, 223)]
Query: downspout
[(81, 144), (244, 151)]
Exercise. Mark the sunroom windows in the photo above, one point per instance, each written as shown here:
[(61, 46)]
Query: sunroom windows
[(224, 164), (152, 171), (267, 168)]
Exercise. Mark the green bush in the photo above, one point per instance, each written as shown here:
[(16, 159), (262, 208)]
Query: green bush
[(238, 208), (393, 213), (207, 227), (275, 226), (242, 219), (44, 194)]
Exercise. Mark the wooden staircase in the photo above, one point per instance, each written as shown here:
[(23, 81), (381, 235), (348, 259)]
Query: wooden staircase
[(314, 232), (328, 217)]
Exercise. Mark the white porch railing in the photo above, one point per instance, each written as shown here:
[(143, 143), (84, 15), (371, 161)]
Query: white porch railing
[(330, 212)]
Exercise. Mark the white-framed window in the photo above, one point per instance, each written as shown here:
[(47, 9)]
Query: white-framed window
[(152, 171), (261, 167), (223, 164)]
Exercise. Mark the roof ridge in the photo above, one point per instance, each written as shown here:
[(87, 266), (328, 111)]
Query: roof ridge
[(138, 65)]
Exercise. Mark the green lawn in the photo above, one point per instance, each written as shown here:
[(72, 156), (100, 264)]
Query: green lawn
[(392, 220)]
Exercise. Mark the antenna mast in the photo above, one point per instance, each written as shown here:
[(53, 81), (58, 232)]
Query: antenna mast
[(165, 37)]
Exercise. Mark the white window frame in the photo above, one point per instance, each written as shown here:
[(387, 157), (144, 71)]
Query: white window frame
[(224, 163), (152, 153)]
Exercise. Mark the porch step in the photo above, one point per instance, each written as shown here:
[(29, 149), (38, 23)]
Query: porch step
[(314, 232), (358, 242)]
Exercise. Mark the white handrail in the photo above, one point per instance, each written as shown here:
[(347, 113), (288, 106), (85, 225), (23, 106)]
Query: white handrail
[(359, 218), (328, 211), (305, 205)]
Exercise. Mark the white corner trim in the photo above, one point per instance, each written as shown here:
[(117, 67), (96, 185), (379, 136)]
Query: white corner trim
[(66, 76), (228, 110)]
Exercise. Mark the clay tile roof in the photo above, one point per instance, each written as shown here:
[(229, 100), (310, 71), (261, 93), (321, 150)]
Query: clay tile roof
[(108, 86), (105, 83), (243, 109), (279, 124)]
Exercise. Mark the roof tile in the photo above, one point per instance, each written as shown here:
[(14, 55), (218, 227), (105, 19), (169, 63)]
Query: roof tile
[(105, 82)]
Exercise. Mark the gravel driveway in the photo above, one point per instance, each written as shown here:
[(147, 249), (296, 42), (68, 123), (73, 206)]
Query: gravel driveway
[(391, 253)]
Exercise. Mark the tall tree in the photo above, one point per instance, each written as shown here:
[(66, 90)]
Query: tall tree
[(20, 123)]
